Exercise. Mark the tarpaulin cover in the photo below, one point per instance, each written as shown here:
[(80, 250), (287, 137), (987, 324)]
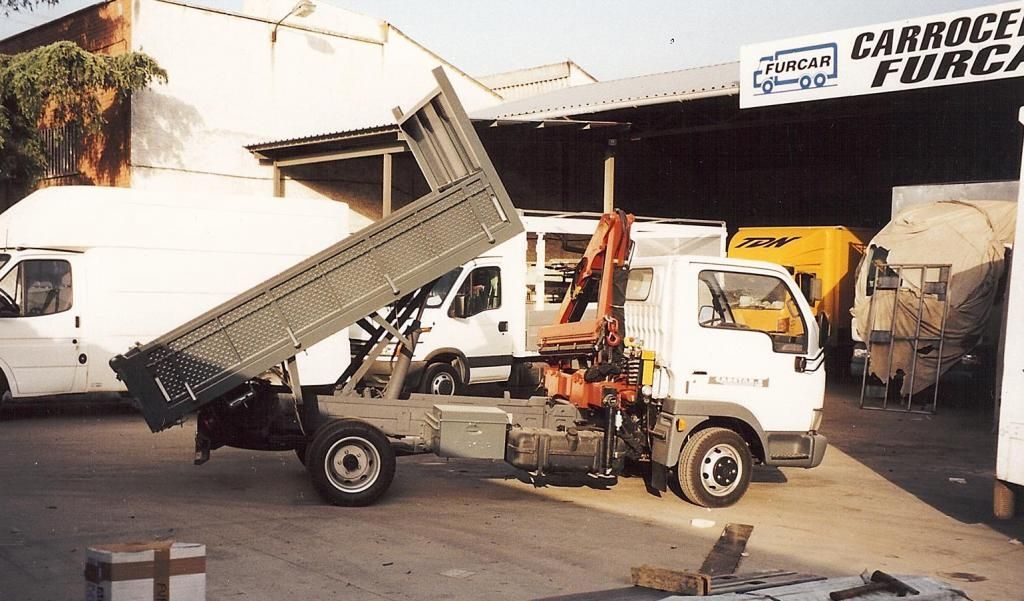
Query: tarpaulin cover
[(970, 236)]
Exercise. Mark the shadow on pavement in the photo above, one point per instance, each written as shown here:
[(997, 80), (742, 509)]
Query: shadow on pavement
[(946, 460), (66, 406)]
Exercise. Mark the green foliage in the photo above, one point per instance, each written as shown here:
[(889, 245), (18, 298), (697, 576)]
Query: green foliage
[(6, 6), (59, 85)]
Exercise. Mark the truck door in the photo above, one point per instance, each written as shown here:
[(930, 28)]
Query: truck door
[(750, 342), (38, 326), (479, 326)]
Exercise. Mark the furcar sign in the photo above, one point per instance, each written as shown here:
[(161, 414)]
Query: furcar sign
[(959, 47)]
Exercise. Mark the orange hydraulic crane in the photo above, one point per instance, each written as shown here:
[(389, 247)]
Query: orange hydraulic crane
[(600, 378)]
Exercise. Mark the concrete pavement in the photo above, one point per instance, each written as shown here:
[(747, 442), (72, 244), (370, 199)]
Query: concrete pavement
[(463, 529)]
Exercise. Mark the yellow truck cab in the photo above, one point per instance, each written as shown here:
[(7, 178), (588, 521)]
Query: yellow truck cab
[(823, 261)]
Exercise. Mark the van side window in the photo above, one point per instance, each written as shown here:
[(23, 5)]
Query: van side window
[(481, 291), (747, 301), (36, 287)]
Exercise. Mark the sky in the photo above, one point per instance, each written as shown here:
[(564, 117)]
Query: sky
[(610, 39)]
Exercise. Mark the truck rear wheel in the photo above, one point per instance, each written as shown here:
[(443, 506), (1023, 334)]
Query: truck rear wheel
[(351, 462), (714, 468)]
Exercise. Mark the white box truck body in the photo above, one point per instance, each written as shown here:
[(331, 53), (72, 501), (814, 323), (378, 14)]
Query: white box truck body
[(1010, 449), (505, 299), (88, 272)]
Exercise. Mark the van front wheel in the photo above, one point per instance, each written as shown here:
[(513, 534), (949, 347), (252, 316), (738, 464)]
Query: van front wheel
[(441, 379), (714, 468)]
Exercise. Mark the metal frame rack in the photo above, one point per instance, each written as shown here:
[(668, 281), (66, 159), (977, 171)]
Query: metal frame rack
[(922, 282)]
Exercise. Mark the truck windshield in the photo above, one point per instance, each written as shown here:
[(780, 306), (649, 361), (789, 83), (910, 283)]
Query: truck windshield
[(4, 258), (747, 301), (442, 287)]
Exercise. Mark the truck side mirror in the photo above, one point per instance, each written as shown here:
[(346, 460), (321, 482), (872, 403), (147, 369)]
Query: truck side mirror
[(810, 287), (824, 329), (458, 307), (816, 293)]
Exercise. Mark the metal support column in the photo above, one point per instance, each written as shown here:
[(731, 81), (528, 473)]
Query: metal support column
[(540, 293), (386, 190), (278, 178), (609, 177)]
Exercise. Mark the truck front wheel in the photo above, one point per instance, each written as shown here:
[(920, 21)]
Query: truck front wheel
[(351, 462), (714, 468)]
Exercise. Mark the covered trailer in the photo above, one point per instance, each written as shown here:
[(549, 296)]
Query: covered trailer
[(926, 288)]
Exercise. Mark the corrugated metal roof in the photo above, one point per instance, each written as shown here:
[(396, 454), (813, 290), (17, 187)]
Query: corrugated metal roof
[(659, 88), (328, 137)]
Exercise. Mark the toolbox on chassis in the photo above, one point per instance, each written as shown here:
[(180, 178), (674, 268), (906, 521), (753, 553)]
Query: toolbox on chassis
[(698, 366)]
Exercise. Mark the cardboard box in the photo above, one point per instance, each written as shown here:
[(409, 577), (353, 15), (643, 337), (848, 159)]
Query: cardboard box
[(158, 571)]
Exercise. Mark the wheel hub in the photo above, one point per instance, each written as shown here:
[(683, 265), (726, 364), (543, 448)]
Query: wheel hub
[(442, 384), (720, 470), (353, 464), (725, 471)]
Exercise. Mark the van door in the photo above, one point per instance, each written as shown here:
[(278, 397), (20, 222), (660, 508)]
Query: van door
[(38, 326), (750, 340), (478, 325)]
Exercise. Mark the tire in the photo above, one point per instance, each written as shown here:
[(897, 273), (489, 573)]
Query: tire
[(767, 87), (5, 397), (441, 379), (351, 462), (805, 82), (819, 80), (714, 468)]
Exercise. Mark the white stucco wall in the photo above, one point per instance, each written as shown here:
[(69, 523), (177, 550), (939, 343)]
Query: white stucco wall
[(229, 86)]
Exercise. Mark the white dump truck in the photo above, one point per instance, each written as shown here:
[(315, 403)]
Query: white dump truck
[(698, 367), (494, 338), (87, 271)]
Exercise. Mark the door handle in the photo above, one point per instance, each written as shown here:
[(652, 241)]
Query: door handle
[(502, 326), (699, 373)]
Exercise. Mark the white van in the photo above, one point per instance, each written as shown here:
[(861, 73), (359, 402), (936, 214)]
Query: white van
[(87, 272), (480, 324)]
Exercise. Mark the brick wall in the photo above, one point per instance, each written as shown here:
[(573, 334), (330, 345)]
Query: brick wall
[(106, 29)]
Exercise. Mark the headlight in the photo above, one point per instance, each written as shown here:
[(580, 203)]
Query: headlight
[(646, 390), (860, 353), (970, 360)]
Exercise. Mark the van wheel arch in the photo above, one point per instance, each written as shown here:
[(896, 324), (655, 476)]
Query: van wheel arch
[(452, 357)]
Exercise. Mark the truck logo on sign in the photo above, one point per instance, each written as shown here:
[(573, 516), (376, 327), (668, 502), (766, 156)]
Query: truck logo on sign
[(766, 241), (796, 69)]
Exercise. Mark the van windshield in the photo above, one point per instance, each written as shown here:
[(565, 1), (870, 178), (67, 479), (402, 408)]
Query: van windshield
[(442, 287)]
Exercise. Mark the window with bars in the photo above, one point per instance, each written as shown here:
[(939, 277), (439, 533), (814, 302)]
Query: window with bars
[(60, 146)]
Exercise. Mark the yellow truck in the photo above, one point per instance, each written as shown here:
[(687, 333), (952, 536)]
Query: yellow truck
[(823, 260)]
